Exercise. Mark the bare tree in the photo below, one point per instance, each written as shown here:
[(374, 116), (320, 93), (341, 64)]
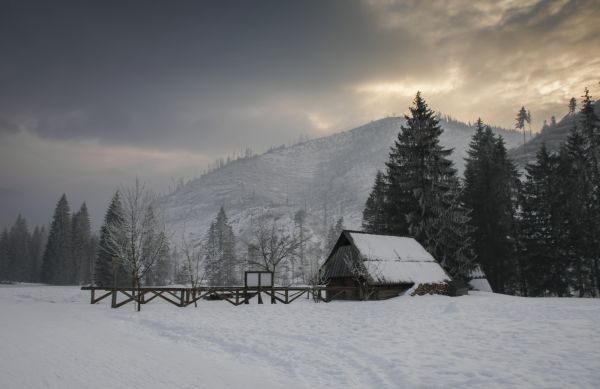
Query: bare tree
[(273, 245), (193, 263), (138, 238)]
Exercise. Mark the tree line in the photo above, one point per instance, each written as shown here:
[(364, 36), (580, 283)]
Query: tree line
[(21, 252), (533, 234), (61, 255)]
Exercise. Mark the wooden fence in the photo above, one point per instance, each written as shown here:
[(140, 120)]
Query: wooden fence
[(236, 295)]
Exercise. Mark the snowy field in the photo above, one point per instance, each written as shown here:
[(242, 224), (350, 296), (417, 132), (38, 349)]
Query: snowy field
[(51, 337)]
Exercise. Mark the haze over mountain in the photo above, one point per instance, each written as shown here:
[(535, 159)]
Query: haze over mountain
[(329, 177)]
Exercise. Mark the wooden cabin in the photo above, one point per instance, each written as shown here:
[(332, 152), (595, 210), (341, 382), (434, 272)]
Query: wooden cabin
[(374, 266)]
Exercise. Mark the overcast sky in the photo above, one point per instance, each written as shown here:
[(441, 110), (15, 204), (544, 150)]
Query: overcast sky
[(93, 93)]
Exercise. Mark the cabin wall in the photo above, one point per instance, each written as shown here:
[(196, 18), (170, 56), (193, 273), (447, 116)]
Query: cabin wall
[(380, 292), (344, 282)]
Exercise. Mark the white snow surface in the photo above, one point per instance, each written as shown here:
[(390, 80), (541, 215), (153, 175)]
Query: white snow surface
[(397, 259), (51, 337)]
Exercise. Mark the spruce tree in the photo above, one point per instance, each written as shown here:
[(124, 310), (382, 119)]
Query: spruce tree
[(577, 216), (103, 266), (374, 216), (19, 259), (490, 183), (221, 261), (422, 196), (57, 261), (520, 121), (590, 126), (83, 256), (572, 106), (540, 224), (4, 255), (37, 243), (212, 267)]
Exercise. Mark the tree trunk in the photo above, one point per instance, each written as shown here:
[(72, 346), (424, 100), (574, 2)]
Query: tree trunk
[(139, 295)]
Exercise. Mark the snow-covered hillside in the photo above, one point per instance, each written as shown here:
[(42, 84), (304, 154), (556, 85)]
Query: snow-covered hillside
[(329, 177), (53, 338)]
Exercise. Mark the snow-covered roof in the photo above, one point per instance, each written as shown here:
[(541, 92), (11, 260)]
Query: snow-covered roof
[(479, 280), (389, 248), (480, 284), (395, 259)]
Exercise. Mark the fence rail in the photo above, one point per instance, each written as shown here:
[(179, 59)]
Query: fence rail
[(235, 295)]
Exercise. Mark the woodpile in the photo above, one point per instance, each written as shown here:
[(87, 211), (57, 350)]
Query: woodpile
[(424, 289)]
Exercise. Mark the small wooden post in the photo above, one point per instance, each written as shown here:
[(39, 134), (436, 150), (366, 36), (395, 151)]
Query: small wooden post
[(92, 296), (246, 296), (182, 297), (113, 303), (286, 297)]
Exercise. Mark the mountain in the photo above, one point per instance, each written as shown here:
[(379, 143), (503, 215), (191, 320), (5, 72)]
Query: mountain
[(553, 136), (329, 177)]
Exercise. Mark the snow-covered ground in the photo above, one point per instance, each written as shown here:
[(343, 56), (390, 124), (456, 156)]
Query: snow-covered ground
[(52, 337)]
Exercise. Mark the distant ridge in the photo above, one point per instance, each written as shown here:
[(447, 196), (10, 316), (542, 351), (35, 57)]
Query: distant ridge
[(329, 177), (553, 136)]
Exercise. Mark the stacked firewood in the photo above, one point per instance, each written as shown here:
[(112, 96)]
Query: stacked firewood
[(424, 289)]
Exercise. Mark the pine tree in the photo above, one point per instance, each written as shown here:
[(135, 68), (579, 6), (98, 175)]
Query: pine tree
[(56, 266), (4, 255), (19, 259), (572, 106), (520, 123), (103, 266), (422, 196), (577, 217), (374, 216), (540, 224), (212, 265), (83, 255), (590, 130), (490, 184), (37, 243), (553, 121), (221, 261)]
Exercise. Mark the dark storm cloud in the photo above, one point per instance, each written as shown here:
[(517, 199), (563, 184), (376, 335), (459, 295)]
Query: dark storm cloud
[(8, 126), (128, 71)]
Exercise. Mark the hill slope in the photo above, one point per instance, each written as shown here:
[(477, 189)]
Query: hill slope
[(329, 177), (553, 136)]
